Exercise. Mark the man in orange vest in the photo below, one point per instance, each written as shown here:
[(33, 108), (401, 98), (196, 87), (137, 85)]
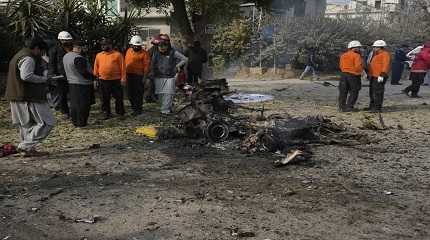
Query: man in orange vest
[(109, 68), (379, 64), (137, 63), (351, 66)]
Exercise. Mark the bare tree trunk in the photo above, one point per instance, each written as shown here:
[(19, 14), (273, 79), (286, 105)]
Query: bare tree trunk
[(181, 17), (200, 21)]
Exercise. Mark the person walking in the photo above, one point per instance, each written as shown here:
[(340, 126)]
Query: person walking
[(420, 67), (80, 78), (197, 56), (26, 91), (165, 64), (310, 65), (109, 68), (398, 65), (351, 66), (137, 63), (379, 67), (59, 95)]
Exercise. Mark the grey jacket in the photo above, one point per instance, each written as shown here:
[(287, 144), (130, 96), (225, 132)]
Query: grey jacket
[(77, 68), (165, 66)]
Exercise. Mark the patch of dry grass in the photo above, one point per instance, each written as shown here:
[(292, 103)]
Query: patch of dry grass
[(104, 132)]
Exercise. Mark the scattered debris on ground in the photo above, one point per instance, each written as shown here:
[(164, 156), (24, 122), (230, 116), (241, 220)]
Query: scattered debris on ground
[(285, 134), (249, 97), (294, 156), (88, 220), (51, 194), (94, 146), (209, 115), (241, 233), (369, 123), (7, 149)]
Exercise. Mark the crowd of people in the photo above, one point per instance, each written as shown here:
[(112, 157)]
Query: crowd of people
[(154, 74), (376, 66), (68, 81)]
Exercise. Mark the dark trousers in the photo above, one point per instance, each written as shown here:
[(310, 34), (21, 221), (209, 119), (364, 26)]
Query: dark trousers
[(81, 98), (193, 78), (349, 88), (376, 94), (112, 88), (135, 92), (417, 79), (61, 92), (396, 72)]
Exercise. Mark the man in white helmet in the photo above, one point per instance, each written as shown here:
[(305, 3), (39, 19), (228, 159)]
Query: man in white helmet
[(56, 71), (137, 63), (379, 65), (351, 66)]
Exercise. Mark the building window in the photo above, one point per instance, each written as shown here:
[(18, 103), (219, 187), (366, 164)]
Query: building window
[(147, 33), (378, 4)]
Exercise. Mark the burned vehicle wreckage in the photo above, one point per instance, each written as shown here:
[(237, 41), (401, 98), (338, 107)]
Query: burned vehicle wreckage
[(209, 115)]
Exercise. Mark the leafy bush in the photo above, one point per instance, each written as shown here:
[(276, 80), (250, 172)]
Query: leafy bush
[(230, 41)]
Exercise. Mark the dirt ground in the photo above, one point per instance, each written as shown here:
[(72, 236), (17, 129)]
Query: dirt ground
[(138, 189)]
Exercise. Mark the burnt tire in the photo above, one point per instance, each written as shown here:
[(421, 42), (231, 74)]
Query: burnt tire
[(217, 131)]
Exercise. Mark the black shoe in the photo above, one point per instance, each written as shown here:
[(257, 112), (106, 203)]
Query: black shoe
[(415, 96), (404, 91)]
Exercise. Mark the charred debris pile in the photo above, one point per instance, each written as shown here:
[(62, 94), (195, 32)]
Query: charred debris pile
[(207, 115)]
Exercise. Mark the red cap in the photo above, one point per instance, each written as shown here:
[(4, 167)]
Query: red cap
[(155, 40)]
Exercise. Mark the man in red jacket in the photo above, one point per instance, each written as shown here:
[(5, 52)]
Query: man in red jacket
[(420, 66)]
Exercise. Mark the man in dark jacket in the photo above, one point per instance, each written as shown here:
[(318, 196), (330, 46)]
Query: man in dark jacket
[(26, 92), (149, 89), (197, 56), (398, 65), (310, 65), (56, 71)]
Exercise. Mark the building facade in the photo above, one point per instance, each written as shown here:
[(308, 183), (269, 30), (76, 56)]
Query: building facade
[(299, 8), (148, 23), (377, 10)]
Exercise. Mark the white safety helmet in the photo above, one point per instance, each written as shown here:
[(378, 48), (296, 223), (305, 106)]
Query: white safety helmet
[(65, 36), (136, 41), (354, 44), (379, 43)]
